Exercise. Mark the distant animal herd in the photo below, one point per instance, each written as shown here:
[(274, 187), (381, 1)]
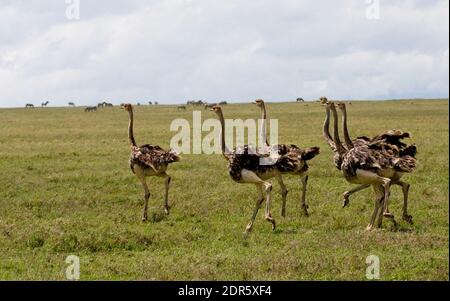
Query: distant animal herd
[(190, 103)]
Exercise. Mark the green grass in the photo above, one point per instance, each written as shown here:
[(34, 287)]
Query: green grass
[(66, 188)]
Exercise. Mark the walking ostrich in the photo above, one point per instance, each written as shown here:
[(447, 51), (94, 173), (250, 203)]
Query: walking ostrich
[(337, 158), (244, 166), (391, 140), (360, 141), (149, 160), (379, 164), (289, 148)]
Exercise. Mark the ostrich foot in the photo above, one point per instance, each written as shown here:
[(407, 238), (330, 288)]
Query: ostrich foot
[(408, 218), (270, 219), (248, 230), (394, 223), (369, 227), (305, 209), (387, 214), (167, 209), (346, 202)]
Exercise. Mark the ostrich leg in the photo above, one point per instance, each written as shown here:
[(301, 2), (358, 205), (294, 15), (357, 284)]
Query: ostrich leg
[(259, 202), (379, 196), (347, 194), (381, 187), (250, 177), (284, 193), (141, 177), (405, 188), (303, 204), (167, 181), (268, 215), (387, 193)]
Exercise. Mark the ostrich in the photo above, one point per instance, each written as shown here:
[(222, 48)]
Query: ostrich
[(304, 177), (361, 141), (391, 138), (149, 160), (244, 166), (337, 158), (378, 163)]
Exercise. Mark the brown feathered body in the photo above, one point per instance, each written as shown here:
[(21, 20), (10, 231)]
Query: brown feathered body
[(277, 159), (384, 153), (152, 158)]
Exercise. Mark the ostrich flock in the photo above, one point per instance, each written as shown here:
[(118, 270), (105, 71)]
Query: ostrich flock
[(380, 162)]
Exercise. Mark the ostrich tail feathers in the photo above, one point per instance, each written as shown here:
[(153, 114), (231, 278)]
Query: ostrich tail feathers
[(409, 151), (173, 156), (310, 153)]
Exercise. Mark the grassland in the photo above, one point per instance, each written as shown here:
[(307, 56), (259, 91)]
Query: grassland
[(66, 188)]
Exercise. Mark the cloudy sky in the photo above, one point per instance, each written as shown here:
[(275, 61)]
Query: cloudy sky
[(235, 50)]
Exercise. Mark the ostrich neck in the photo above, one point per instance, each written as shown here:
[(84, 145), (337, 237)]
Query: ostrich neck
[(337, 141), (222, 134), (130, 129), (326, 131), (264, 125), (347, 138)]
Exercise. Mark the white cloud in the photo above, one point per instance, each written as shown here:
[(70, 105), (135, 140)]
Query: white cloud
[(174, 50)]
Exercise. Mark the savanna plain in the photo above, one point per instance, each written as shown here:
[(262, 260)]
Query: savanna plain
[(66, 189)]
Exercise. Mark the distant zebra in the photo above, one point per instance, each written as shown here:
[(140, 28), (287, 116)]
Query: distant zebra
[(71, 104), (45, 104), (150, 103), (196, 103), (223, 103), (109, 105), (156, 103), (91, 109), (29, 106), (300, 100), (182, 108)]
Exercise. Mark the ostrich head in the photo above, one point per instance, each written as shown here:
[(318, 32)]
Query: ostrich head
[(323, 100), (259, 102), (341, 105), (328, 105), (127, 107), (216, 109)]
